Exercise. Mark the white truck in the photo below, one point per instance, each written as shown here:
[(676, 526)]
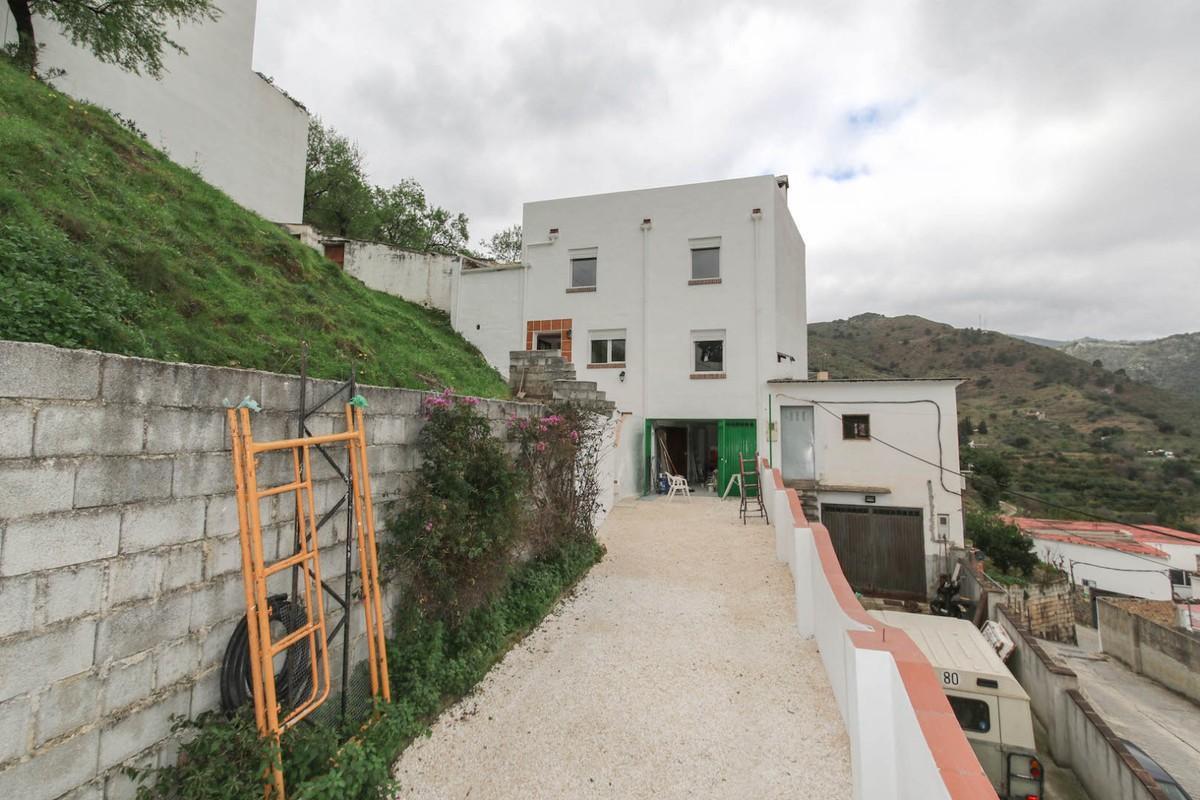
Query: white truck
[(990, 705)]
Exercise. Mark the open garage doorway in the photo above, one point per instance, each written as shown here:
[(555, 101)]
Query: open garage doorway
[(703, 451)]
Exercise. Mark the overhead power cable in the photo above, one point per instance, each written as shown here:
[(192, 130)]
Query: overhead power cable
[(1009, 492)]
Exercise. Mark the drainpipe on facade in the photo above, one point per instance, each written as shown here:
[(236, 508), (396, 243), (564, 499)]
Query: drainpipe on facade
[(756, 218), (646, 223)]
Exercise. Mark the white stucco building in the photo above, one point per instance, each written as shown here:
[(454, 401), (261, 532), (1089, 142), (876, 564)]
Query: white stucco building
[(1149, 561), (686, 305), (210, 111)]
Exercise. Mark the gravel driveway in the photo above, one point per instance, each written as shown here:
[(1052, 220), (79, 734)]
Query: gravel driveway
[(673, 672)]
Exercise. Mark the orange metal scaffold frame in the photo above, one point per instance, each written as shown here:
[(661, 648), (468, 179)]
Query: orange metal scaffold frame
[(256, 571)]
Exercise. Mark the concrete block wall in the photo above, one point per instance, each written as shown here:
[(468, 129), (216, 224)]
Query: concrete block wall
[(1046, 610), (1079, 737), (120, 565), (1170, 656)]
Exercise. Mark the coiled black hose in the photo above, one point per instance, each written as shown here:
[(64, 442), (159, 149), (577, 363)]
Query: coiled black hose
[(293, 681)]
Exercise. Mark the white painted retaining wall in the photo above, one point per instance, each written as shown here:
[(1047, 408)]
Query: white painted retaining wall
[(905, 743), (423, 278)]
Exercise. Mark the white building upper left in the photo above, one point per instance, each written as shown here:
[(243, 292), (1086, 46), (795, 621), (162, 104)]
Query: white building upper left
[(210, 111)]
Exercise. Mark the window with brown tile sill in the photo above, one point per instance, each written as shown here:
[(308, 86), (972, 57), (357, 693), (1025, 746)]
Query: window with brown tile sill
[(704, 281), (610, 365), (707, 376)]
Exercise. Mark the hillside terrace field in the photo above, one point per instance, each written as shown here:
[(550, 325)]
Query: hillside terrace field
[(1075, 434)]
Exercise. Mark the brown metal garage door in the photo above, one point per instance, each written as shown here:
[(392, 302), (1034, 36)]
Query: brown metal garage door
[(882, 550)]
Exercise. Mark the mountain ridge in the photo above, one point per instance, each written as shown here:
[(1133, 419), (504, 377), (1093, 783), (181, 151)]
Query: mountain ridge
[(1078, 435)]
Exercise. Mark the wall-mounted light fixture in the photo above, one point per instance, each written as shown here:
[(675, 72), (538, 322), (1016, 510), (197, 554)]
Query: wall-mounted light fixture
[(553, 234), (621, 376)]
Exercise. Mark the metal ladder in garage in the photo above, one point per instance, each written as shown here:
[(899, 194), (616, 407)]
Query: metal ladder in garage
[(747, 482)]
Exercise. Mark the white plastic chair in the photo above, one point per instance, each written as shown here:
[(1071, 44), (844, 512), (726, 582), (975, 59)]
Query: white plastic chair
[(677, 484)]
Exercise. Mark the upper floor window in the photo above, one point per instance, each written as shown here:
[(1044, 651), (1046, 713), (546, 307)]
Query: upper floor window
[(708, 351), (583, 268), (608, 347), (706, 260), (856, 426)]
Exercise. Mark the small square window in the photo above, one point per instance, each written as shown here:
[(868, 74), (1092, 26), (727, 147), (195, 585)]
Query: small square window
[(706, 263), (583, 273), (710, 355), (856, 426), (608, 347)]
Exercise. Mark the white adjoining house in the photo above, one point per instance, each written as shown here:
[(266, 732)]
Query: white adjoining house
[(1148, 561), (686, 305), (210, 111)]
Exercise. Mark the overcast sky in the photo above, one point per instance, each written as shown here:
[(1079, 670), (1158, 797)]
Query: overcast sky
[(1034, 165)]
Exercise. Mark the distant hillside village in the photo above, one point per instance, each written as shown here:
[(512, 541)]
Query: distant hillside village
[(679, 315)]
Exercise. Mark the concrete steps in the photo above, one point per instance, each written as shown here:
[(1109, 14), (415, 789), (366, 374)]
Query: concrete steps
[(546, 375), (811, 505)]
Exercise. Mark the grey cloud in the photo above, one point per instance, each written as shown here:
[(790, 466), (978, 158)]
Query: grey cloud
[(1042, 174)]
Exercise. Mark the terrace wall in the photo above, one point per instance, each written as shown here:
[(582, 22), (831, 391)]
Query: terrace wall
[(120, 566), (1079, 737), (1170, 656)]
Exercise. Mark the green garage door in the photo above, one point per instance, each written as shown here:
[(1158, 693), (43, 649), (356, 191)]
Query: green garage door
[(733, 436)]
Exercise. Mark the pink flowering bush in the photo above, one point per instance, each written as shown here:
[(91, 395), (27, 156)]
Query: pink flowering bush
[(462, 509), (558, 453)]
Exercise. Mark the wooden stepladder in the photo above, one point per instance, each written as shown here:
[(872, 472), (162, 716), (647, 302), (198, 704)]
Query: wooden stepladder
[(273, 714), (747, 484)]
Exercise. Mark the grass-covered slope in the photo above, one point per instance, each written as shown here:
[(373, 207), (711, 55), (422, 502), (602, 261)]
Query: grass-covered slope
[(1075, 434), (107, 244)]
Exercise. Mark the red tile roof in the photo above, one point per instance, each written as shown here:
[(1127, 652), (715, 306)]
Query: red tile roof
[(1109, 535)]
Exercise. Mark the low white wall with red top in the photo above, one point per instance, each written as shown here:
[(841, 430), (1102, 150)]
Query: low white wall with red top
[(905, 743)]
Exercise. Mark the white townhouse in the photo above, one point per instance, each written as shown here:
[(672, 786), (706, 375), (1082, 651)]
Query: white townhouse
[(686, 305)]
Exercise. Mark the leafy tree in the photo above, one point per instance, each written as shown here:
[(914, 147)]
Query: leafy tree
[(1002, 542), (405, 218), (992, 475), (337, 197), (965, 429), (131, 34), (505, 245)]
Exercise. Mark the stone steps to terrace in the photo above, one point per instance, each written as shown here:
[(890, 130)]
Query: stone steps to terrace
[(546, 375)]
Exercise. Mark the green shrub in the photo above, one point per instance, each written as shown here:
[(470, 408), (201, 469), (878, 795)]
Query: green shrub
[(431, 665), (992, 475), (458, 518), (1002, 542)]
